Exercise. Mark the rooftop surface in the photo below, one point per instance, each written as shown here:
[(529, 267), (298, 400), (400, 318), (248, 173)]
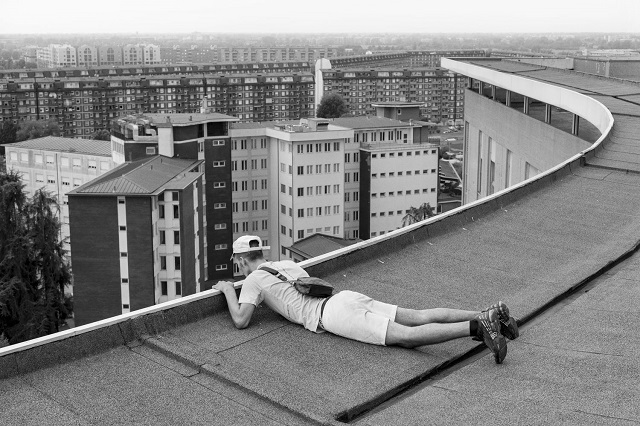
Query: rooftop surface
[(69, 145), (561, 251)]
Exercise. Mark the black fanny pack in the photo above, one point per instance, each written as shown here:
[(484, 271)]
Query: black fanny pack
[(311, 286)]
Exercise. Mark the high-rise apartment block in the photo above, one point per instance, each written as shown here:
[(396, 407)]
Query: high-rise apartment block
[(277, 54), (439, 91), (276, 96), (84, 101)]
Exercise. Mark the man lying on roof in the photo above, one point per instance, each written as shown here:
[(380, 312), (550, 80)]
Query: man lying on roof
[(354, 315)]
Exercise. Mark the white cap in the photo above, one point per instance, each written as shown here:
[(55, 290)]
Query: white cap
[(243, 244)]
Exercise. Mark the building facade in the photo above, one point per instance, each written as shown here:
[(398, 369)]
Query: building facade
[(59, 165), (57, 56), (137, 237), (439, 91), (86, 100)]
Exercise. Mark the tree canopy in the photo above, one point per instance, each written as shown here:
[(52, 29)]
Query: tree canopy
[(101, 135), (33, 271), (332, 105), (37, 129), (417, 214)]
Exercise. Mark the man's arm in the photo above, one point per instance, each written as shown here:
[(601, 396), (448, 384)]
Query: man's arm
[(240, 312)]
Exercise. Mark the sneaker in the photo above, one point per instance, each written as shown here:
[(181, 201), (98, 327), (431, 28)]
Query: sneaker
[(489, 331), (508, 324)]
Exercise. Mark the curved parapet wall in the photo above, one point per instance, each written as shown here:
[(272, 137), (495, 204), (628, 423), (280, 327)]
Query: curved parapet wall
[(577, 103), (505, 146)]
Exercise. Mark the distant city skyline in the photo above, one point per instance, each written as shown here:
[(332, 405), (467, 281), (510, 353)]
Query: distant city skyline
[(326, 16)]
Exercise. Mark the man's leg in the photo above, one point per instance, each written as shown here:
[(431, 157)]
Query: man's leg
[(413, 317), (426, 334), (487, 324)]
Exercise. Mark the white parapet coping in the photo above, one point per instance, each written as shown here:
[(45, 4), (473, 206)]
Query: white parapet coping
[(584, 106), (592, 110)]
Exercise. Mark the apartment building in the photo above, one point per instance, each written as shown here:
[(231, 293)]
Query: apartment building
[(109, 55), (288, 180), (262, 97), (56, 56), (347, 178), (195, 137), (277, 54), (87, 56), (192, 54), (59, 165), (84, 101), (137, 236), (68, 56), (441, 92), (403, 59)]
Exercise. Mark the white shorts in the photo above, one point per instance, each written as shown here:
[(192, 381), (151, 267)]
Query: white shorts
[(358, 317)]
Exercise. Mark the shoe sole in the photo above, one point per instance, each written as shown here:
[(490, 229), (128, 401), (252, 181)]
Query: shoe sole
[(498, 346), (509, 329)]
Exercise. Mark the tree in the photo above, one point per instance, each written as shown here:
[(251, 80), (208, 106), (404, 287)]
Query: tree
[(33, 272), (418, 214), (101, 135), (37, 129), (8, 132), (332, 105)]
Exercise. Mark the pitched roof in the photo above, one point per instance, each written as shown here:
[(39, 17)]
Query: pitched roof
[(71, 145), (145, 176)]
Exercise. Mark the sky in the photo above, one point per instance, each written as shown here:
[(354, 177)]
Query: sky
[(319, 16)]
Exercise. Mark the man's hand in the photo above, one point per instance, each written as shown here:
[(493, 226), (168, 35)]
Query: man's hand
[(223, 285), (240, 313)]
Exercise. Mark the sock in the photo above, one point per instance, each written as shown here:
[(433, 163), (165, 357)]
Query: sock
[(473, 328)]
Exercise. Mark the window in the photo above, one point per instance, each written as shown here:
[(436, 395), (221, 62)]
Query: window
[(219, 226), (176, 211), (163, 288), (221, 267), (283, 230), (218, 164), (301, 234), (178, 288), (221, 246), (300, 170), (176, 263), (161, 211), (300, 192), (220, 205), (163, 238), (163, 262), (176, 237), (300, 212), (219, 184)]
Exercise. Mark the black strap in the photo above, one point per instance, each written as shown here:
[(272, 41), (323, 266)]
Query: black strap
[(274, 272)]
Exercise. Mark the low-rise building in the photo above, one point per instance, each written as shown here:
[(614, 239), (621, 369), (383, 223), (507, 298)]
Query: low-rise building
[(59, 165)]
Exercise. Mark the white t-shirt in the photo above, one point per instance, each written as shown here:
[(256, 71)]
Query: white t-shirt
[(281, 296)]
